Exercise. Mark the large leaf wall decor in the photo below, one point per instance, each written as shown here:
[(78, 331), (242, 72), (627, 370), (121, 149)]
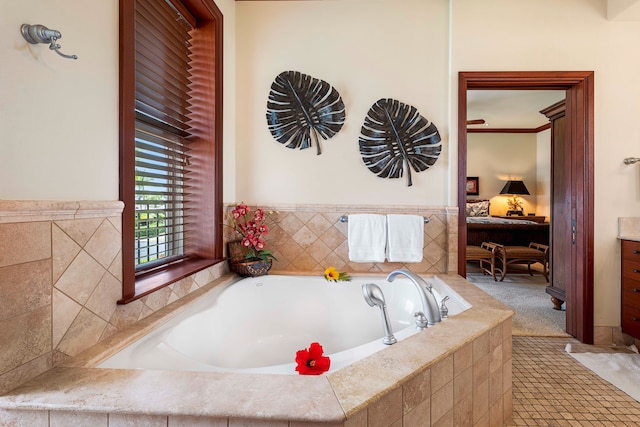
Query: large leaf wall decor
[(301, 108), (395, 138)]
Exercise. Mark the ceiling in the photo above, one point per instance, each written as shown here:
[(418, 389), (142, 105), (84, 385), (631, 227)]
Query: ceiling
[(518, 109)]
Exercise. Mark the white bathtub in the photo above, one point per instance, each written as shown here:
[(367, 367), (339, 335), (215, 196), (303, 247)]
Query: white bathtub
[(256, 325)]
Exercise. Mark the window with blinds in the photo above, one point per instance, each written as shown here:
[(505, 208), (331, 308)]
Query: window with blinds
[(171, 171), (162, 80)]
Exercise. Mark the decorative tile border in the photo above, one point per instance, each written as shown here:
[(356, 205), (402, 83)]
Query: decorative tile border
[(12, 211)]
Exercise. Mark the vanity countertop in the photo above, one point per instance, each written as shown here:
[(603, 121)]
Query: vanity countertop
[(635, 238), (629, 228)]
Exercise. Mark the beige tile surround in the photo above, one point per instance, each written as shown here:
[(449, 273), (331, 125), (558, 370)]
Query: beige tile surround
[(60, 271), (60, 278), (457, 373)]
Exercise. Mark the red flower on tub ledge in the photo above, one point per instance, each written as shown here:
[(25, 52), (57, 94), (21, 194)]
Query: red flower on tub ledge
[(311, 361)]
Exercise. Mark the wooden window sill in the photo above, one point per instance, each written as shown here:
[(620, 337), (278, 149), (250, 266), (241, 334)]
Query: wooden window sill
[(147, 283)]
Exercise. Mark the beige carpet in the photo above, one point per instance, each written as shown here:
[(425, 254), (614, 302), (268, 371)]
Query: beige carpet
[(524, 294)]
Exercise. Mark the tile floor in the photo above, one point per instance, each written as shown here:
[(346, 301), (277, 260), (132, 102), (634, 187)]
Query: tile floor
[(550, 388)]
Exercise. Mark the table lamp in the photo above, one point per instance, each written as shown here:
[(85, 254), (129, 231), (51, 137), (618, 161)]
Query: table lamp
[(514, 188)]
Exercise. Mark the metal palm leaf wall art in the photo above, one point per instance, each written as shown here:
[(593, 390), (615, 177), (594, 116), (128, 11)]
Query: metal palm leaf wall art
[(395, 138), (301, 108)]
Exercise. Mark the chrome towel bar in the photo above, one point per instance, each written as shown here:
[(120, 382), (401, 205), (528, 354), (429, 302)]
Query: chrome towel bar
[(345, 218)]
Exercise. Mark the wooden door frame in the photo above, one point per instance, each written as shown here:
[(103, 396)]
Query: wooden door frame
[(580, 116)]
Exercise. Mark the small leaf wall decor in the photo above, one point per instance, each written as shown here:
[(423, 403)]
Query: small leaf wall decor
[(395, 137), (301, 108)]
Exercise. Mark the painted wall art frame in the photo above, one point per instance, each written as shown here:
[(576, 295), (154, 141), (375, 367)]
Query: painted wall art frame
[(473, 186)]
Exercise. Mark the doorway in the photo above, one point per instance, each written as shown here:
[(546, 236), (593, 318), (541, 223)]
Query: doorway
[(580, 114)]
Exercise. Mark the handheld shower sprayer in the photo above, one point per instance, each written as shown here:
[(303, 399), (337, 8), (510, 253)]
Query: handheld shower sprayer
[(374, 297)]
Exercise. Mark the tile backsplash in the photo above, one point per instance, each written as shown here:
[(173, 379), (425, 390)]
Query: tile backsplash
[(310, 238), (60, 271)]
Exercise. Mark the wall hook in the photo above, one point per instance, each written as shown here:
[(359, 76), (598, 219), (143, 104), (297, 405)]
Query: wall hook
[(631, 160), (35, 34)]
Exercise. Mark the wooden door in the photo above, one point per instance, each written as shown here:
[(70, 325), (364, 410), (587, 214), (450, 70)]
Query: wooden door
[(575, 213), (579, 149), (560, 264)]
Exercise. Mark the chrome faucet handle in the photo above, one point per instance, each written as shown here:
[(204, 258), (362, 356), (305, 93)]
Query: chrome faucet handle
[(444, 311), (421, 320)]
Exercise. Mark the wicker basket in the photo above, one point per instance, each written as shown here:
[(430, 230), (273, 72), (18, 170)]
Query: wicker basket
[(244, 267), (251, 268)]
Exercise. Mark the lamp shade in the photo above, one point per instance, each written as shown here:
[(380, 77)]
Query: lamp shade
[(514, 187)]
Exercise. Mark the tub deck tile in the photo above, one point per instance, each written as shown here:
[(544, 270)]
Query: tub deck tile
[(179, 393)]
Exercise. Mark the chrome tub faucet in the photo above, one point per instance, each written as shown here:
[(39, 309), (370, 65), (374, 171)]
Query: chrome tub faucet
[(430, 309)]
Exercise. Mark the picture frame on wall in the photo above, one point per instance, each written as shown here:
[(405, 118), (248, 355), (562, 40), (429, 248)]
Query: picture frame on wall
[(473, 186)]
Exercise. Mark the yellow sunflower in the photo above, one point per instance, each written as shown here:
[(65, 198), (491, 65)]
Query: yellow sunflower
[(331, 274)]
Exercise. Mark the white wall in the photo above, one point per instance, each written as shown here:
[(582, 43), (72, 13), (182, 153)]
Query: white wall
[(59, 125), (59, 117), (367, 50), (570, 35), (499, 157)]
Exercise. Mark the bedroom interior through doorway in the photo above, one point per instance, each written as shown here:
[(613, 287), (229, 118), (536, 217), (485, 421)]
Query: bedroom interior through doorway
[(580, 113)]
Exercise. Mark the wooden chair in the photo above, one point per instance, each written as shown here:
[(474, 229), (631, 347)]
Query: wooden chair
[(523, 255)]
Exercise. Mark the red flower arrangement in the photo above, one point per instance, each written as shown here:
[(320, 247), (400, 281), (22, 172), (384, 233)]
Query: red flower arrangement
[(311, 361), (252, 231)]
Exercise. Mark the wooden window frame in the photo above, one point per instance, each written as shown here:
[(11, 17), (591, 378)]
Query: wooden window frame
[(203, 239)]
